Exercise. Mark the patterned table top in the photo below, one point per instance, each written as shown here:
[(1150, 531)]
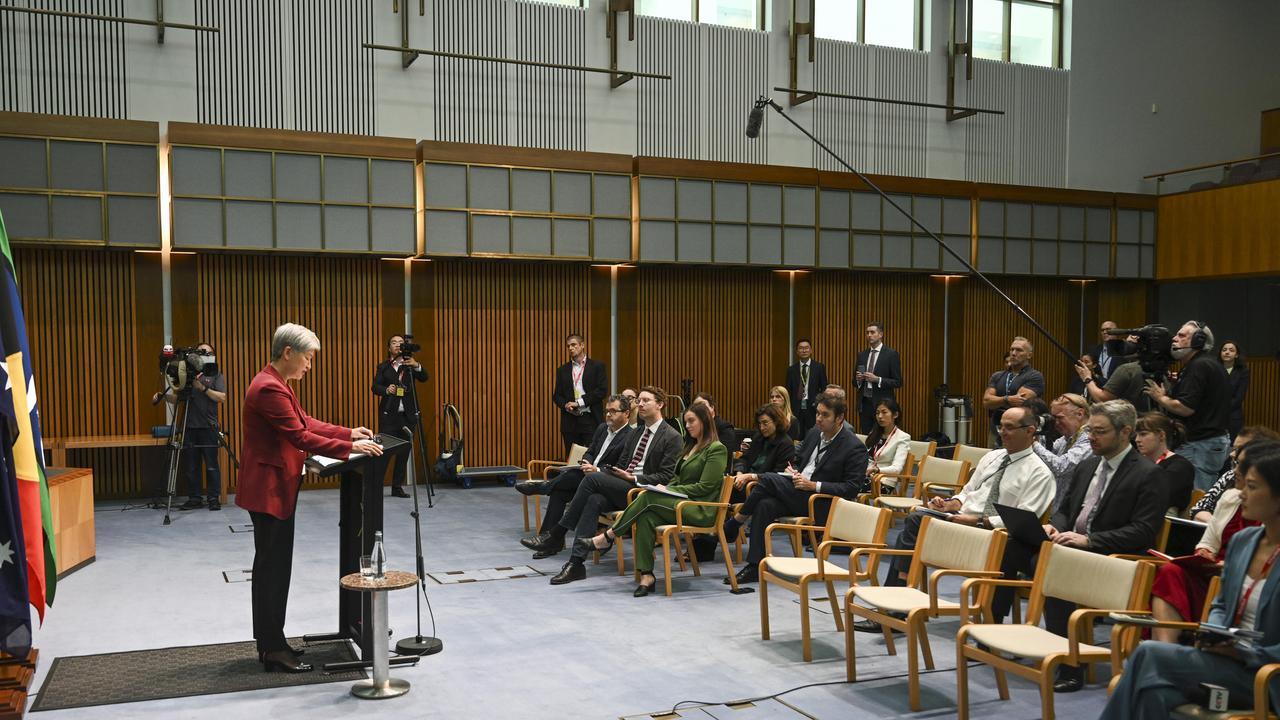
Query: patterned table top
[(394, 580)]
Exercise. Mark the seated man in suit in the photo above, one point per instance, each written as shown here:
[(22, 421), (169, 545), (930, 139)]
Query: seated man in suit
[(606, 449), (1116, 505), (650, 454), (1012, 475), (832, 460)]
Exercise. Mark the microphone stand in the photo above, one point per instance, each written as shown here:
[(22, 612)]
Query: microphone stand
[(419, 644), (765, 100)]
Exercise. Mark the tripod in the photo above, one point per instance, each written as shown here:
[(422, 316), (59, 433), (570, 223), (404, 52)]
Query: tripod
[(419, 644), (178, 442), (419, 449)]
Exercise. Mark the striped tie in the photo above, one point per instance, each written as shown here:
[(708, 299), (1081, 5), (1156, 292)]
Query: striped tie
[(644, 443)]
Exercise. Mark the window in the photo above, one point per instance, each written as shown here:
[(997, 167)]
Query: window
[(895, 23), (751, 14), (1021, 31), (672, 9)]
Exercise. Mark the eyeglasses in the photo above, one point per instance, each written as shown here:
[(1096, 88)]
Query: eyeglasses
[(611, 410), (1011, 428), (1089, 430)]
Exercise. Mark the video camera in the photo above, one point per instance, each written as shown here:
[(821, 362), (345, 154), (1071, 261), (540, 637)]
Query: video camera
[(181, 365), (408, 347), (1153, 349)]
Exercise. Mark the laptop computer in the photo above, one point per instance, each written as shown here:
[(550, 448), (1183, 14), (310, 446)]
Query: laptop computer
[(1023, 525)]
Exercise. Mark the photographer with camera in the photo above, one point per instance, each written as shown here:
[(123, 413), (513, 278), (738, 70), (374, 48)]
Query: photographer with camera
[(398, 407), (203, 434), (1201, 398)]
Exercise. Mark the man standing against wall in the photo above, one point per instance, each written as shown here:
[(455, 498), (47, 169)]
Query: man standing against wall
[(877, 376), (1013, 386), (581, 386), (806, 380)]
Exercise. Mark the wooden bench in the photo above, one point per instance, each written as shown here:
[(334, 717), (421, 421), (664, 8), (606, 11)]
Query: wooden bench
[(58, 447), (71, 504)]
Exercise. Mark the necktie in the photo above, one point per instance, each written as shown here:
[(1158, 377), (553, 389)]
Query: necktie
[(804, 375), (871, 367), (994, 496), (1090, 507), (644, 443)]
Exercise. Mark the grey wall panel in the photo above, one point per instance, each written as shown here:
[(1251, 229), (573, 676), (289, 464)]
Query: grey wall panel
[(1097, 260), (737, 59), (24, 162), (470, 98), (531, 236), (866, 250), (196, 171), (346, 228), (1044, 222), (346, 179), (298, 226), (63, 65), (25, 215), (133, 221), (765, 203), (928, 211), (955, 216), (197, 223), (833, 249), (1128, 261), (1044, 256), (249, 224), (896, 251), (75, 165), (446, 232), (693, 199), (488, 188), (531, 190), (866, 211), (924, 253), (731, 243), (246, 174), (731, 202), (1071, 222), (893, 218), (657, 241), (765, 245), (445, 185), (669, 113), (490, 234), (834, 208), (657, 197), (1128, 227), (571, 238), (991, 217), (694, 242), (1017, 219), (1071, 259), (132, 168), (1017, 257), (611, 239), (553, 102), (612, 195), (572, 193), (1027, 145), (1097, 225), (76, 218), (1148, 227), (297, 177), (990, 255), (392, 230), (391, 182), (960, 245), (1147, 266), (799, 205), (798, 247), (239, 70)]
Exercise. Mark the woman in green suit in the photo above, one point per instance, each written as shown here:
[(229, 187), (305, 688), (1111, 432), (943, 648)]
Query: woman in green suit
[(699, 475)]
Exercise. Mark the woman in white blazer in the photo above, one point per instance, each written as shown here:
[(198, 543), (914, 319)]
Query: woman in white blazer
[(887, 444)]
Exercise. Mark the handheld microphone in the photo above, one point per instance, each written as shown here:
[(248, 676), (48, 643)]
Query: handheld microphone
[(754, 121)]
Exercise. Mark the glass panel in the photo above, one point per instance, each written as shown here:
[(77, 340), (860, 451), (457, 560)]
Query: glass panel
[(75, 165), (734, 13), (988, 29), (612, 239), (674, 9), (133, 221), (836, 19), (24, 163), (1031, 35), (891, 22)]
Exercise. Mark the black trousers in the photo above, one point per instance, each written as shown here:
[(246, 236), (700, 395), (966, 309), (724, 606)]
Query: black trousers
[(599, 492), (395, 424), (906, 541), (773, 497), (866, 414), (580, 435), (1022, 558), (272, 568), (560, 492), (202, 444), (805, 418)]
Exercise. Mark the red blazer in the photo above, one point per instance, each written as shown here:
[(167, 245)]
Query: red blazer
[(278, 436)]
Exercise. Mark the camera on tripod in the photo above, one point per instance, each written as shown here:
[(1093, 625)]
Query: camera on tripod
[(1153, 349), (408, 347), (181, 366)]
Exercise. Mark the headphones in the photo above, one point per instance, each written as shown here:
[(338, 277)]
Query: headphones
[(1199, 338)]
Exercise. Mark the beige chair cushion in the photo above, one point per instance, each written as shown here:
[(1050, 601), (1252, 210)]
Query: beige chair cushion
[(970, 453), (575, 454), (900, 504), (896, 599), (955, 546), (854, 522), (790, 569), (1027, 641), (918, 448), (941, 470), (1089, 579)]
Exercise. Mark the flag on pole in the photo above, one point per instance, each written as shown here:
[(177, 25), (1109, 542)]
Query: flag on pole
[(26, 527)]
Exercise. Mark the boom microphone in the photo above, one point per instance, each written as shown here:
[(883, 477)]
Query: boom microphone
[(754, 120)]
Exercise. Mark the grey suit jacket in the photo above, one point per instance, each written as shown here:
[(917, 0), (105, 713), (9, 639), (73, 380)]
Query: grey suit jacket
[(664, 452)]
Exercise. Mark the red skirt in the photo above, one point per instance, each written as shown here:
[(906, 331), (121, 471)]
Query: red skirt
[(1183, 590)]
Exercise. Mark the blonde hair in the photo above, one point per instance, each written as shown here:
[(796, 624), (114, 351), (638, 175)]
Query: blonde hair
[(786, 402)]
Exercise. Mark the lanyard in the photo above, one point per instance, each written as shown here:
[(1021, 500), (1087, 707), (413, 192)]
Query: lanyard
[(884, 443), (577, 371), (1262, 577), (1163, 456), (1009, 375)]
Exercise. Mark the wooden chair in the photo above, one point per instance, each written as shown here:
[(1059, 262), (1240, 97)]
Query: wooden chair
[(671, 534), (1098, 584), (937, 474), (946, 549), (917, 451), (970, 453), (536, 471), (849, 524), (606, 520)]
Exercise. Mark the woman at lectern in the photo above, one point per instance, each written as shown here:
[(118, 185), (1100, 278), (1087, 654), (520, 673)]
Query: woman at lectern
[(278, 436)]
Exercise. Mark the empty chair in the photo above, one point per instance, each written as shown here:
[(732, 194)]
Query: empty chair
[(971, 454), (1268, 168)]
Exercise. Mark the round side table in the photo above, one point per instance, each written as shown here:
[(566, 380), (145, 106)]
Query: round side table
[(382, 685)]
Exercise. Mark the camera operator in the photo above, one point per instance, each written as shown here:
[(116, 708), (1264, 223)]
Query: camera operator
[(1201, 398), (398, 410), (201, 439)]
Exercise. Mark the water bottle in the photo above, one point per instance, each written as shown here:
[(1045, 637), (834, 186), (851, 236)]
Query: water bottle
[(379, 556)]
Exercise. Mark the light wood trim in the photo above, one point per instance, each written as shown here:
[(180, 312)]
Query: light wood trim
[(742, 172), (182, 133), (71, 505), (1221, 164), (62, 126), (439, 151)]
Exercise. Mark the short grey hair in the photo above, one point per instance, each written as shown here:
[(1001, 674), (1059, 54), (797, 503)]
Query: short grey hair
[(1209, 344), (1120, 413), (295, 336), (624, 402)]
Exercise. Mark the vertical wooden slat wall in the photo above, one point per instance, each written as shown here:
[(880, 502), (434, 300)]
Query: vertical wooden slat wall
[(1260, 406), (844, 303), (1125, 303), (988, 326), (715, 326), (242, 298), (500, 330)]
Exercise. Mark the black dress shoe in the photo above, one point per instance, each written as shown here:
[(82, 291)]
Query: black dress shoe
[(284, 661), (192, 504), (870, 626), (552, 546), (643, 590), (570, 572), (748, 574), (588, 545), (530, 487), (537, 541), (1068, 679), (399, 492), (215, 505)]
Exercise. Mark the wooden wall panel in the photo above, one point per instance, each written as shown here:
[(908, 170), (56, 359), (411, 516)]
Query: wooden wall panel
[(1260, 406), (844, 303), (988, 325), (716, 326), (1220, 232), (1124, 302), (500, 330), (243, 298)]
